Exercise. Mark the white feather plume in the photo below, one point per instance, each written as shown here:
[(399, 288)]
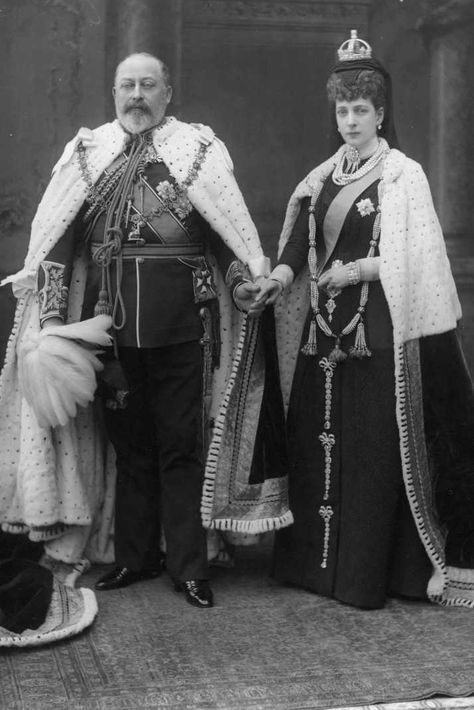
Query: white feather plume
[(57, 368)]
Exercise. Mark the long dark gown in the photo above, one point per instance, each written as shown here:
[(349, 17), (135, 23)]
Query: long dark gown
[(372, 548)]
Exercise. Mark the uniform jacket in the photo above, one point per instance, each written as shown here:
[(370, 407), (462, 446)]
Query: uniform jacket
[(55, 477)]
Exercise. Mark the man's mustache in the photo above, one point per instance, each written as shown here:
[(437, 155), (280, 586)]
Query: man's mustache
[(133, 105)]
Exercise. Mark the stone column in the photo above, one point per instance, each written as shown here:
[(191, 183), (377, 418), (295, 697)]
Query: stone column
[(146, 26), (447, 27)]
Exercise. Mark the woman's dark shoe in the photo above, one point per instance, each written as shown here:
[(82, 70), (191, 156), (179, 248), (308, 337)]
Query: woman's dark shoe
[(197, 592), (122, 577)]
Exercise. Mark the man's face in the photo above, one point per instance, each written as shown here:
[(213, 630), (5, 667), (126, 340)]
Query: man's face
[(141, 94)]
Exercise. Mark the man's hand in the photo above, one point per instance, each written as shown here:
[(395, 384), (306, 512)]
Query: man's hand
[(244, 295), (269, 290)]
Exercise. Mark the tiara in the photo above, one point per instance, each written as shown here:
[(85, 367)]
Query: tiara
[(354, 48)]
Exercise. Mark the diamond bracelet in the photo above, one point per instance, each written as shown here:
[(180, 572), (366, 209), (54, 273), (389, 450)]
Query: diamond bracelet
[(353, 273)]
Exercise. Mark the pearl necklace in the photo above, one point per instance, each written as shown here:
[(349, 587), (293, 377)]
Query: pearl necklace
[(350, 156)]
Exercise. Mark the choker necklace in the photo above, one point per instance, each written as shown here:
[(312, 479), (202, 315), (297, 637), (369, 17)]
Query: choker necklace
[(349, 159)]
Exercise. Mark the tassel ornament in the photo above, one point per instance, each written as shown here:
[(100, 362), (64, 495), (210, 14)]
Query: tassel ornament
[(311, 346), (337, 354), (103, 307), (360, 350)]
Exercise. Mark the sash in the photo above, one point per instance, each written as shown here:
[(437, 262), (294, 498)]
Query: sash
[(172, 232), (162, 222), (338, 211)]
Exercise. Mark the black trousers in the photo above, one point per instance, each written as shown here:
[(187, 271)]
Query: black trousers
[(157, 439)]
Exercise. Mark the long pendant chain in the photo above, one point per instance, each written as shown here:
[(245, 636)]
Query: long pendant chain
[(359, 349), (328, 364), (327, 442), (326, 512)]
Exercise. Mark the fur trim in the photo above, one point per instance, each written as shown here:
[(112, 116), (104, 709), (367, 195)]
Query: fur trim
[(70, 468), (70, 612), (459, 591), (214, 193), (420, 291), (414, 268)]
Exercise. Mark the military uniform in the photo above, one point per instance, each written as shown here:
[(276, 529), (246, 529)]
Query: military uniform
[(146, 246)]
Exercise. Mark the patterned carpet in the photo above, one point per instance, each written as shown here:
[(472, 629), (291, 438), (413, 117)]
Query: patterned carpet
[(263, 647)]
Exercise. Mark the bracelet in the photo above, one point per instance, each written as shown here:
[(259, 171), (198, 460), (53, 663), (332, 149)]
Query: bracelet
[(353, 273)]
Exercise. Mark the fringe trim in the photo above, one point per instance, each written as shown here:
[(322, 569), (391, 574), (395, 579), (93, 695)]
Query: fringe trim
[(451, 601), (253, 526), (36, 534), (459, 590), (439, 580), (50, 532), (15, 528), (448, 586), (210, 471)]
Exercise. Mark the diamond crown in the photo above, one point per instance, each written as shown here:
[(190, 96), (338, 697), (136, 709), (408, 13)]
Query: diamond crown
[(354, 48)]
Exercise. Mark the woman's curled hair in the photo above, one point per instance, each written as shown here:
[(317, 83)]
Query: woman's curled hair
[(358, 84)]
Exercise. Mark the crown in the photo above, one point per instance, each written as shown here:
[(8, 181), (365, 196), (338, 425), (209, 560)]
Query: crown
[(354, 48)]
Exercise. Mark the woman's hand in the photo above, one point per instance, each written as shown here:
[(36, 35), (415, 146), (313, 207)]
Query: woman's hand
[(336, 278), (269, 290)]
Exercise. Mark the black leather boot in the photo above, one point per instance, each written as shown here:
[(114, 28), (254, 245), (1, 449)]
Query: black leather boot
[(197, 592), (122, 577)]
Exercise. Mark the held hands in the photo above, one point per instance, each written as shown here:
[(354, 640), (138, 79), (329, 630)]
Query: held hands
[(332, 281), (253, 297), (245, 295), (269, 291)]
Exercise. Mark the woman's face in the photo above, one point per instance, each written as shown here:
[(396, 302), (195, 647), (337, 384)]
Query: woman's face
[(357, 122)]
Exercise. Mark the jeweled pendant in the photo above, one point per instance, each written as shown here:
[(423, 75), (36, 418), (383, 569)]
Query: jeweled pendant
[(353, 158), (330, 307)]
